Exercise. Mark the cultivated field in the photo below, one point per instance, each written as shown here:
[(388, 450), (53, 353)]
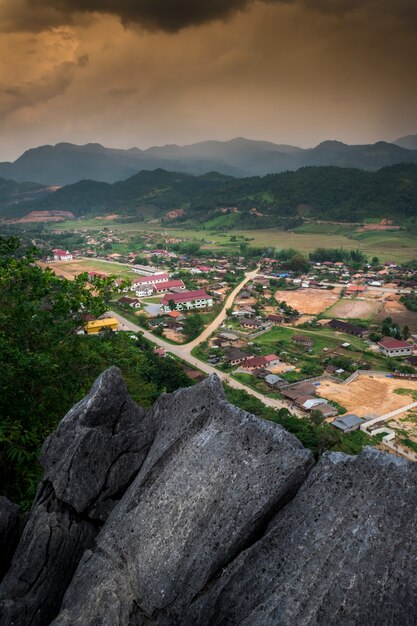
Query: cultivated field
[(367, 395), (387, 245), (354, 309), (309, 301)]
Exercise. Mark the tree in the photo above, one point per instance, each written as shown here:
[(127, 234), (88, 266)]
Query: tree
[(172, 304), (193, 325), (406, 332), (46, 366)]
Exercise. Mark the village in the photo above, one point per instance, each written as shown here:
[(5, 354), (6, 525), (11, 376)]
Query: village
[(335, 342)]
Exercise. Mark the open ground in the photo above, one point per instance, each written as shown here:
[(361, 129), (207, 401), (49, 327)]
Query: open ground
[(369, 395), (69, 269), (355, 308), (309, 301)]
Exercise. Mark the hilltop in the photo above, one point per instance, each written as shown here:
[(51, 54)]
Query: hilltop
[(221, 201), (67, 163)]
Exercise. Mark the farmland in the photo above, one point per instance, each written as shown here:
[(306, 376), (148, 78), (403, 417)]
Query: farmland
[(387, 245)]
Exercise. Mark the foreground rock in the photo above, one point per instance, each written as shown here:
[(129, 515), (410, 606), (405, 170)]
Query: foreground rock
[(212, 480), (342, 552), (197, 513), (89, 462)]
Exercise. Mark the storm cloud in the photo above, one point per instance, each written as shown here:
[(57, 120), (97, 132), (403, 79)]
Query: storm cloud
[(173, 15)]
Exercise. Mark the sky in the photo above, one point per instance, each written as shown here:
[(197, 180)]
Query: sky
[(153, 72)]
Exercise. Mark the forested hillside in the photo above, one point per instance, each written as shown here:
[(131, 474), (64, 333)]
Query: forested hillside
[(322, 192)]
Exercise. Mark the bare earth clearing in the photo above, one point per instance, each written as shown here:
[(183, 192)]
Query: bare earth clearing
[(368, 396), (309, 301), (355, 309)]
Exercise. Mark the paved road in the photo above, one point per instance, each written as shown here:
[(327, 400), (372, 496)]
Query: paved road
[(183, 351), (222, 315)]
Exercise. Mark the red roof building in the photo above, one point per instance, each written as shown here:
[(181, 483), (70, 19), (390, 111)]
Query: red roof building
[(198, 299), (395, 347), (169, 284)]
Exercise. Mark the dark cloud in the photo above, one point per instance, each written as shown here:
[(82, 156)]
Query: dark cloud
[(174, 15)]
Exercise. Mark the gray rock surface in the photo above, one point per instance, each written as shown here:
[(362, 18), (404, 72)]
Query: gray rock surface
[(211, 482), (9, 532), (196, 513), (342, 552), (89, 461)]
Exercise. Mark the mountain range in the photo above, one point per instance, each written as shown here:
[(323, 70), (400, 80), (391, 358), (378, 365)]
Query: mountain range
[(66, 163), (222, 201)]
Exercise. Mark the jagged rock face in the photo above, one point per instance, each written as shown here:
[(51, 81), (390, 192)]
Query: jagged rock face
[(197, 513), (9, 532), (213, 478), (342, 552), (89, 461)]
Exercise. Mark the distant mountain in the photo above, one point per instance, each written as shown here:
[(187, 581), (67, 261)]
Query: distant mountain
[(14, 195), (67, 163), (342, 194), (409, 142)]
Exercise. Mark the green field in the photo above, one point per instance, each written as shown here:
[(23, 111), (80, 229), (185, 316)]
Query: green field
[(389, 245)]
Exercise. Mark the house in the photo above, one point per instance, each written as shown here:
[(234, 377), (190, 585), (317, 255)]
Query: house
[(62, 255), (302, 340), (345, 327), (234, 356), (326, 410), (229, 336), (276, 319), (348, 423), (155, 279), (260, 362), (300, 389), (176, 315), (167, 285), (273, 380), (272, 359), (186, 301), (395, 347), (251, 323), (309, 403), (142, 291), (146, 270), (133, 302), (355, 289), (245, 311), (95, 326)]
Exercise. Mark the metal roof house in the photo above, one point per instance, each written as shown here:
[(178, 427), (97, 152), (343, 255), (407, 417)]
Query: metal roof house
[(348, 423)]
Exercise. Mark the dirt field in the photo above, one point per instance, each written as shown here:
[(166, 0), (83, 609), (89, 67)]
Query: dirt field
[(355, 309), (367, 396), (69, 269), (309, 301)]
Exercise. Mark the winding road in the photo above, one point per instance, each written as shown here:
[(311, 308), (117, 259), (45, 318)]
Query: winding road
[(183, 351)]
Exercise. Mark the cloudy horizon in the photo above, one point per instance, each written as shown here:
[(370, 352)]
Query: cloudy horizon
[(143, 73)]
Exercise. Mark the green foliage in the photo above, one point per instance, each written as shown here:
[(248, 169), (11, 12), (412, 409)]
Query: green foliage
[(410, 301), (193, 325), (331, 193), (389, 328), (47, 367), (338, 255)]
